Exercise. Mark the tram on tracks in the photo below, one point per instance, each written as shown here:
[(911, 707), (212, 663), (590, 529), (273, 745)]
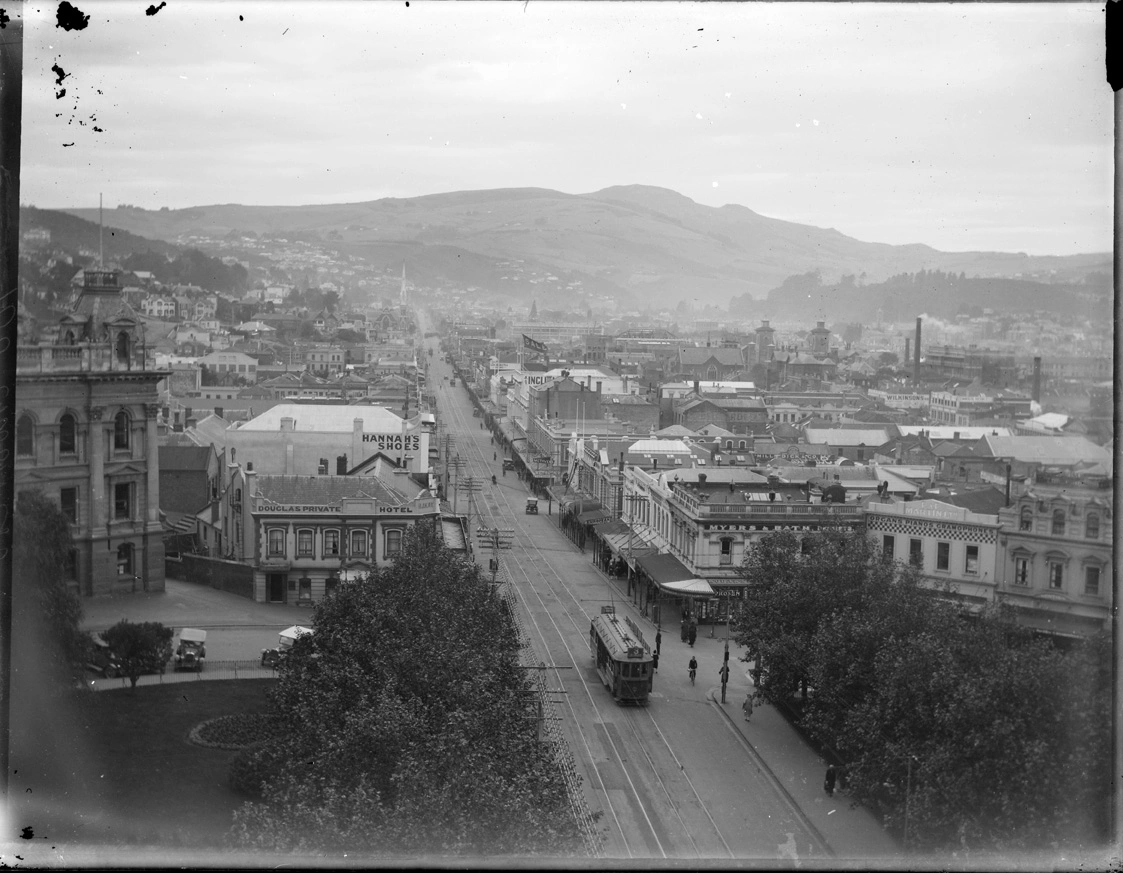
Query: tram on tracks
[(623, 660)]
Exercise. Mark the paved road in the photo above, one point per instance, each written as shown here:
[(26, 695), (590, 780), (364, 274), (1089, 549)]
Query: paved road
[(686, 777)]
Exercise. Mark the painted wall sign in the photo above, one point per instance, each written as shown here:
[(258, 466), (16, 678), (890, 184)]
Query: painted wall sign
[(394, 442)]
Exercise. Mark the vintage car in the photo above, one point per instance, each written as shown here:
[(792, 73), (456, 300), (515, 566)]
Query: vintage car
[(532, 506), (508, 464), (100, 658), (191, 652), (273, 657)]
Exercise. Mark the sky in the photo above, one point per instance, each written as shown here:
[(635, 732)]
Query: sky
[(961, 126)]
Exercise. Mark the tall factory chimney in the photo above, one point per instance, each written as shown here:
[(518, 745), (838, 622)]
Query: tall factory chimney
[(1037, 379), (916, 354), (908, 347)]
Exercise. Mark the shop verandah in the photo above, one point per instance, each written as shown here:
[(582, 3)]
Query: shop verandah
[(660, 585)]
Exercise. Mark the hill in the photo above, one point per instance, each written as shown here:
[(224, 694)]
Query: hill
[(635, 242)]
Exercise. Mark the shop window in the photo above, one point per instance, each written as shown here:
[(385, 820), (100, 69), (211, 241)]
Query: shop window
[(393, 542), (1058, 522), (1092, 580), (943, 556), (276, 541), (331, 543), (971, 564), (358, 543), (25, 436), (68, 435), (68, 503), (1021, 571), (122, 501), (1092, 526), (121, 430), (304, 544)]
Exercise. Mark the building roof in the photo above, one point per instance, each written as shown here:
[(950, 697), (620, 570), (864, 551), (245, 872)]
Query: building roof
[(849, 437), (1059, 451), (980, 500), (693, 357), (326, 418), (326, 490), (952, 432), (185, 458)]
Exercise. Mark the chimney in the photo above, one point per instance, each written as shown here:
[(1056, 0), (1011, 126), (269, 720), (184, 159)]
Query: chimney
[(1036, 379), (598, 387), (341, 465), (908, 347), (696, 386), (625, 383), (916, 354), (701, 478), (249, 466)]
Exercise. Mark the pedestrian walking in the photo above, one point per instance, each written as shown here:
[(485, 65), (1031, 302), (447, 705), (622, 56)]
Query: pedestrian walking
[(692, 634), (724, 674), (655, 660), (658, 641), (747, 706), (495, 456), (828, 782)]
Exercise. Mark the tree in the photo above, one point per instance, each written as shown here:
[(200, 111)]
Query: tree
[(44, 605), (409, 725), (141, 647)]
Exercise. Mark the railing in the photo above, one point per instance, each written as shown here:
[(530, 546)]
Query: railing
[(83, 357), (779, 510), (212, 670)]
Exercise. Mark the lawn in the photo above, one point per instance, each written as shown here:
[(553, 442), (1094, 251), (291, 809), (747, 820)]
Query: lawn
[(115, 768)]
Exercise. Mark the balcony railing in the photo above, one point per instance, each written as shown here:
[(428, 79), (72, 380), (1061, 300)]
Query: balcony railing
[(80, 358), (771, 510)]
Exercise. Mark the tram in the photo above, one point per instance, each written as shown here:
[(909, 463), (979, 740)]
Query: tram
[(622, 658)]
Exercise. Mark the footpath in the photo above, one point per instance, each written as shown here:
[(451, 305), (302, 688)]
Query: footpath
[(795, 769)]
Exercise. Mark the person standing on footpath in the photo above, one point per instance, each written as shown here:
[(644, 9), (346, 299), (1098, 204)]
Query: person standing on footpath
[(655, 660), (747, 706), (658, 641), (828, 783), (692, 633), (724, 674)]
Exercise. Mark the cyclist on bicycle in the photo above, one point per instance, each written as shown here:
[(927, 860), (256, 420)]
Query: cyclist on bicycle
[(693, 668)]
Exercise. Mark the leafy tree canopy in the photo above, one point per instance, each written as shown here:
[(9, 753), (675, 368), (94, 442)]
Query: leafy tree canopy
[(141, 647), (410, 728)]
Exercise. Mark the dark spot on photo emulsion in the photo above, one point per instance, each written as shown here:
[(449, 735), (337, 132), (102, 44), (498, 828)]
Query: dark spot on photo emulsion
[(70, 17), (152, 10)]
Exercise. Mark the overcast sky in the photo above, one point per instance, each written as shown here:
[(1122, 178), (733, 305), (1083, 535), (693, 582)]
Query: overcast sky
[(960, 126)]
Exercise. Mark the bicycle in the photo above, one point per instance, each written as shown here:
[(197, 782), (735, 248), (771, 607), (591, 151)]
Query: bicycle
[(693, 669), (692, 674)]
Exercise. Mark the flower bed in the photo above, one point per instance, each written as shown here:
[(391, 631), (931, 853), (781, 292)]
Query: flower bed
[(232, 731)]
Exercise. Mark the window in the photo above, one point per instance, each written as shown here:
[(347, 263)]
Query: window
[(916, 553), (1092, 526), (887, 543), (122, 500), (67, 435), (125, 559), (276, 541), (1056, 575), (971, 565), (1026, 520), (68, 503), (1058, 522), (726, 550), (123, 347), (1021, 571), (358, 543), (121, 430), (304, 544), (331, 543), (943, 556), (393, 542), (1092, 580), (25, 436)]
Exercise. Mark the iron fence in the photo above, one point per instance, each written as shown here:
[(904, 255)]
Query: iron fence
[(211, 670)]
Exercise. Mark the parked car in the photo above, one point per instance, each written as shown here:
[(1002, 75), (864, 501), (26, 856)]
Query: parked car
[(508, 464), (273, 657), (191, 653), (100, 658)]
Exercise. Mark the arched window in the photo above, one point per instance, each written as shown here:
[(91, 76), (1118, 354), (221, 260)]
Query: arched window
[(393, 542), (123, 347), (68, 339), (1058, 522), (726, 550), (121, 430), (25, 436), (1025, 522), (1092, 526), (67, 435)]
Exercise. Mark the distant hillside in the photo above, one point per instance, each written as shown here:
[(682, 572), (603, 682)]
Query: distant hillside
[(79, 233), (636, 242)]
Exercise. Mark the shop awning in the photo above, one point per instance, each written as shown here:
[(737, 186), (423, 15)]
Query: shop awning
[(612, 526), (689, 588), (594, 516), (665, 570)]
